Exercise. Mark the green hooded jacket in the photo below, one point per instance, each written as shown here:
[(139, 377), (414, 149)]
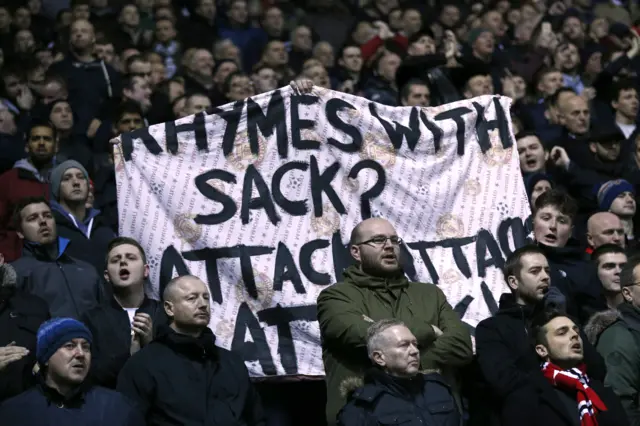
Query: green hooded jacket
[(347, 309)]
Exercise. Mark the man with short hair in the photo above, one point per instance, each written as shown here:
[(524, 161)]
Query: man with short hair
[(376, 288), (264, 79), (124, 325), (532, 154), (90, 80), (616, 335), (195, 103), (137, 89), (213, 382), (610, 260), (69, 286), (28, 178), (64, 394), (624, 101), (395, 387), (139, 66), (567, 392), (604, 228), (503, 352), (382, 87), (415, 93), (85, 229)]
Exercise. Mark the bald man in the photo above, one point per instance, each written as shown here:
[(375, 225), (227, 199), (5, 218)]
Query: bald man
[(605, 228), (182, 377), (575, 115), (90, 81), (373, 289)]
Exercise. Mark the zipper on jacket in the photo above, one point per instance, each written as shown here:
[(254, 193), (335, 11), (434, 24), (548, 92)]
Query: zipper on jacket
[(66, 281)]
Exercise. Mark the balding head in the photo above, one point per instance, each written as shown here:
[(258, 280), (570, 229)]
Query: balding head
[(375, 246), (575, 114), (186, 303), (605, 228), (82, 36)]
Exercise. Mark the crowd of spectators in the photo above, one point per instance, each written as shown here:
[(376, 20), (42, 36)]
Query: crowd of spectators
[(74, 74)]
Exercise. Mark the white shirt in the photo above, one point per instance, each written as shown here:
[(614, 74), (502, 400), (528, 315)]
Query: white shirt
[(627, 129), (132, 313)]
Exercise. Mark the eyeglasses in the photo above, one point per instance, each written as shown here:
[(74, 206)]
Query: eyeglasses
[(381, 240)]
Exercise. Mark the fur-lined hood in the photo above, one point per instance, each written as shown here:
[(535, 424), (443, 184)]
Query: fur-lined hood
[(8, 276), (350, 384), (599, 322)]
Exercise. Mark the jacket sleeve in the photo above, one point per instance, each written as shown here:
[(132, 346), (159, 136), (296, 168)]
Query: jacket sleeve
[(135, 418), (497, 363), (620, 352), (453, 348), (135, 383), (341, 323)]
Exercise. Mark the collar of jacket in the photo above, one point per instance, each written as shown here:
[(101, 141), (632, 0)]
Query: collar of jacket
[(40, 252), (202, 348), (508, 306), (362, 279), (630, 315), (145, 302), (573, 250), (75, 398)]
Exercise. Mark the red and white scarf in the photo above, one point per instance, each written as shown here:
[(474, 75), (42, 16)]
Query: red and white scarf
[(576, 379)]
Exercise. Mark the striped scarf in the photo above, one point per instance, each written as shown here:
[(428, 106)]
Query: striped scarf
[(576, 379)]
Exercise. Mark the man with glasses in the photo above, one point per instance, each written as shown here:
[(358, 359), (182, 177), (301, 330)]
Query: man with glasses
[(616, 335), (373, 289)]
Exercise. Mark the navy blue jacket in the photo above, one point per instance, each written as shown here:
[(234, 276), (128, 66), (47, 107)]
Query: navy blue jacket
[(68, 285), (178, 380), (425, 400), (96, 406)]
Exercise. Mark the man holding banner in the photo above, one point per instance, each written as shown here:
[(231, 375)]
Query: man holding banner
[(375, 289)]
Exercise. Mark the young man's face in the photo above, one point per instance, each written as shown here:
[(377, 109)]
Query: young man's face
[(563, 345), (37, 224), (532, 154), (609, 267), (551, 227)]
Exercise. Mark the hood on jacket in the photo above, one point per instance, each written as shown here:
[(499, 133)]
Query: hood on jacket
[(26, 165), (599, 322), (83, 226), (362, 279), (200, 348)]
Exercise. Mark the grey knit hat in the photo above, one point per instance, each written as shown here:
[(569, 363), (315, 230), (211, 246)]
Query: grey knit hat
[(58, 172)]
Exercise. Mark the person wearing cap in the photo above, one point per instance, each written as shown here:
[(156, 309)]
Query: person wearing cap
[(70, 286), (619, 197), (20, 316), (537, 184), (63, 395), (84, 227)]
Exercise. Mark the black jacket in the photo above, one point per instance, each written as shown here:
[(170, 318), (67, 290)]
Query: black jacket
[(68, 285), (111, 330), (423, 400), (87, 406), (92, 250), (549, 406), (583, 287), (20, 317), (181, 380), (506, 362)]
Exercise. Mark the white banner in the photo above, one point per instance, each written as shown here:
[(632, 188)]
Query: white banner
[(259, 198)]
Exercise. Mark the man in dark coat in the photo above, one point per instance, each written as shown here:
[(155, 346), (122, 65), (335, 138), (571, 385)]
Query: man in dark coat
[(504, 354), (63, 396), (182, 378), (68, 285), (565, 394), (20, 316), (375, 289), (395, 391), (125, 324), (88, 234)]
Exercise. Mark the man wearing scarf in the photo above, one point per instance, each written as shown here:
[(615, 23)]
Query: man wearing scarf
[(567, 395)]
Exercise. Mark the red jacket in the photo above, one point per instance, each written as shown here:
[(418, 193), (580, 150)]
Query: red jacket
[(15, 184)]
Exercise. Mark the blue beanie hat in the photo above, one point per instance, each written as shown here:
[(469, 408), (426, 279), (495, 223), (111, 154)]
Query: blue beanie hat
[(58, 172), (609, 191), (55, 333), (532, 180)]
